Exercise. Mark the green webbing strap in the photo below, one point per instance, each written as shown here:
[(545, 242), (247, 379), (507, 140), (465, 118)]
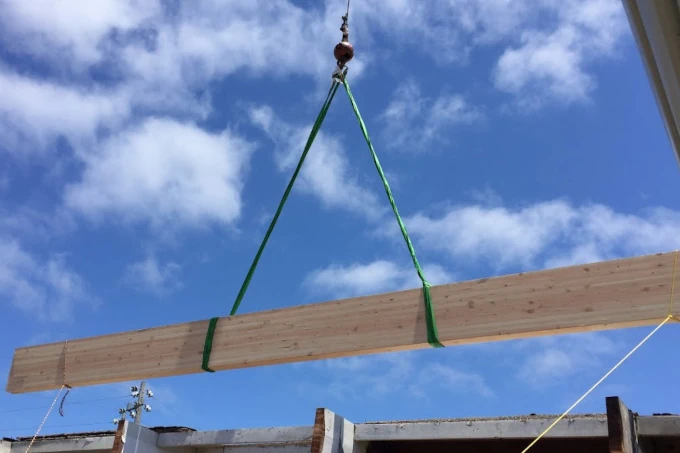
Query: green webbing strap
[(432, 335), (315, 129)]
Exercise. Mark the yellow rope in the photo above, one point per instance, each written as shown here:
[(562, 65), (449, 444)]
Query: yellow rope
[(668, 318), (56, 398), (44, 419)]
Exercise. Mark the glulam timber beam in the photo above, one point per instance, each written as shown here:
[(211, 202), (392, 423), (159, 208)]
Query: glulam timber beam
[(605, 295)]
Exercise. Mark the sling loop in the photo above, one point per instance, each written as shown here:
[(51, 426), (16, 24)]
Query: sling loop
[(207, 348), (432, 334)]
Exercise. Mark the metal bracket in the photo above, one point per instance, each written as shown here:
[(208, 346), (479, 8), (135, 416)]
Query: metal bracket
[(339, 74)]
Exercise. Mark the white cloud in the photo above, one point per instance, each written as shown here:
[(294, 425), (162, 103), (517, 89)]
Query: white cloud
[(164, 56), (451, 378), (544, 234), (491, 21), (169, 172), (162, 60), (382, 375), (165, 174), (34, 113), (34, 223), (156, 59), (47, 290), (551, 64), (378, 276), (326, 172), (546, 45), (149, 275), (72, 27), (211, 40), (498, 235), (447, 32), (547, 65), (549, 361), (414, 122)]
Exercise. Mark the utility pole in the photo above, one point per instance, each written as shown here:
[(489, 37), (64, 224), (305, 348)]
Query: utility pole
[(140, 403), (136, 408)]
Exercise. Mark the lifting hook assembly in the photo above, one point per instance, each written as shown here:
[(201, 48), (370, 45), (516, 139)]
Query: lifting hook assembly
[(344, 51)]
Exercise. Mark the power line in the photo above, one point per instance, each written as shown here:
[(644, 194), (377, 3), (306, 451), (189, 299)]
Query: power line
[(73, 402), (34, 395)]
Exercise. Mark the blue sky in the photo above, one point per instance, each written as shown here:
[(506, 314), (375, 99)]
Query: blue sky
[(145, 145)]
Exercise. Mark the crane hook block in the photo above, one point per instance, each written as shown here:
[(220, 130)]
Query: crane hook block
[(344, 51)]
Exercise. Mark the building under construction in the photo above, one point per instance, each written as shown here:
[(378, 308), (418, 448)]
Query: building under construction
[(616, 430)]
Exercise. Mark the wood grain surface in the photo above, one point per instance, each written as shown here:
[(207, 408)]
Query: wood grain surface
[(607, 295)]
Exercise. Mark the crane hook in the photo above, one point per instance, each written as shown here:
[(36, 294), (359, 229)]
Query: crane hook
[(344, 51)]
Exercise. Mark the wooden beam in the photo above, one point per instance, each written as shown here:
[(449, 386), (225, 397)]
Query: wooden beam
[(119, 437), (622, 431), (332, 433), (606, 295)]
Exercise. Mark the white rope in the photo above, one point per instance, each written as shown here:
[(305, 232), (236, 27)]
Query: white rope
[(44, 419)]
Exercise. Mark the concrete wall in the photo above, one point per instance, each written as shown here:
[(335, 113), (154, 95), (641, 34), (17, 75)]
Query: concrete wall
[(137, 439), (493, 446), (545, 445), (333, 434), (143, 440), (94, 444)]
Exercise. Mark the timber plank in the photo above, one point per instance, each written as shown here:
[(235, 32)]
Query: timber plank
[(606, 295)]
